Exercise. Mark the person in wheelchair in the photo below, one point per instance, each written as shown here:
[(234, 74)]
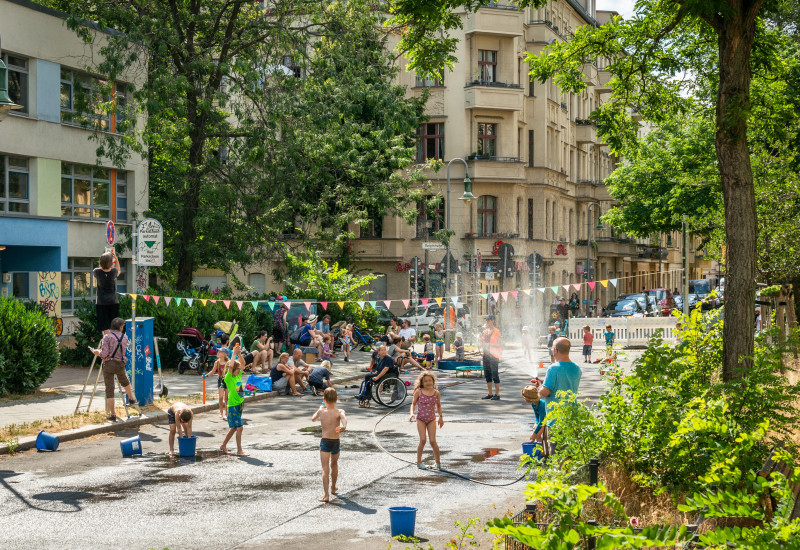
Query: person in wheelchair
[(383, 366)]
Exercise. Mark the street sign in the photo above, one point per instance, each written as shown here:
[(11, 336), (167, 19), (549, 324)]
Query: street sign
[(151, 243), (110, 232), (433, 245)]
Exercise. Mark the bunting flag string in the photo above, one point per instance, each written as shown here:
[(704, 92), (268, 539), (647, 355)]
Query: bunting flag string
[(324, 305)]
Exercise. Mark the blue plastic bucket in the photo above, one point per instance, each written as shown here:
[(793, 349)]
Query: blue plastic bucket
[(131, 446), (527, 448), (402, 520), (47, 441), (187, 446)]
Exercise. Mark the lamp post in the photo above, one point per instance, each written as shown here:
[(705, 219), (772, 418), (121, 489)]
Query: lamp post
[(6, 105), (467, 197), (589, 241)]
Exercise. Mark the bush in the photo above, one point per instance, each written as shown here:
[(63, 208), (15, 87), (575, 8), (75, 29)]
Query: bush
[(28, 347)]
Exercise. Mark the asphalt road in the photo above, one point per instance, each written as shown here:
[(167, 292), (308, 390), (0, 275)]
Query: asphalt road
[(87, 496)]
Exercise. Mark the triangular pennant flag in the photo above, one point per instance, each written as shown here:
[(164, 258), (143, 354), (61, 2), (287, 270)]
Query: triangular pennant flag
[(613, 282), (340, 304), (178, 300), (454, 299), (387, 303), (554, 289), (204, 301), (485, 296), (495, 296), (271, 306), (167, 299), (527, 291), (504, 295), (361, 304), (604, 283), (308, 306), (424, 302), (254, 303), (240, 303), (541, 289), (288, 305), (438, 301), (591, 285), (373, 303), (146, 297), (156, 299), (212, 301), (514, 293), (576, 286), (405, 303), (227, 304), (190, 301), (324, 305), (133, 296), (565, 287)]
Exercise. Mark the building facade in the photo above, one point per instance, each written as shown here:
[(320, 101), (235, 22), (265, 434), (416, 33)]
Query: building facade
[(55, 199)]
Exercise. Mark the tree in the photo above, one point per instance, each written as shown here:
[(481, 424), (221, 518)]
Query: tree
[(241, 151), (649, 54)]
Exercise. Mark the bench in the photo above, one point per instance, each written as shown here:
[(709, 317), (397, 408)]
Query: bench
[(467, 370), (770, 466)]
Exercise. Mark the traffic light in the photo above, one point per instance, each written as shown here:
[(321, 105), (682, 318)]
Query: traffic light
[(421, 284)]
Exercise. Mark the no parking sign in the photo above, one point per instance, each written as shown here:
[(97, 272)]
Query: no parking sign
[(110, 232)]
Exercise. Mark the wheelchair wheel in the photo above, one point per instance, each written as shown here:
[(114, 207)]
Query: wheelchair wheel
[(390, 392)]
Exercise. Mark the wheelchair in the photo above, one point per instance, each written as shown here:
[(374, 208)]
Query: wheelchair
[(390, 391)]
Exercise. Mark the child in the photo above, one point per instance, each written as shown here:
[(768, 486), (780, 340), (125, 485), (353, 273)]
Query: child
[(609, 336), (550, 339), (347, 337), (261, 348), (427, 351), (220, 367), (233, 381), (429, 401), (112, 352), (438, 333), (527, 353), (458, 344), (318, 377), (331, 418), (531, 396), (588, 340), (327, 353), (107, 305), (179, 417)]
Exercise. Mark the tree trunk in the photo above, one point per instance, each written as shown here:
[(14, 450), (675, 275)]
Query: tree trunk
[(736, 35), (191, 202)]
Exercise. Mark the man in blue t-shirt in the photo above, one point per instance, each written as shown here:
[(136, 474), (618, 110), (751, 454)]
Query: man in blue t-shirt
[(309, 337), (563, 375)]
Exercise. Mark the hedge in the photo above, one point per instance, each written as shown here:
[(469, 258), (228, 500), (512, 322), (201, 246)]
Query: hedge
[(28, 347)]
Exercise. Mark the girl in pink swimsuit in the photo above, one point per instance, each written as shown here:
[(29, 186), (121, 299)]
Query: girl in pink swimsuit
[(427, 402)]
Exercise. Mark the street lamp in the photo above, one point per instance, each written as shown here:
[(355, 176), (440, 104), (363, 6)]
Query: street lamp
[(467, 197), (6, 105)]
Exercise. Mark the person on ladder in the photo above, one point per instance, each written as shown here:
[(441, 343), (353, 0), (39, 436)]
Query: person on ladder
[(112, 352)]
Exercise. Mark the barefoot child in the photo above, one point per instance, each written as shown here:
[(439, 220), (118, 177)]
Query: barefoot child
[(427, 402), (458, 344), (588, 339), (347, 338), (233, 381), (531, 396), (220, 367), (550, 339), (331, 418), (427, 351), (180, 417), (438, 333), (327, 347)]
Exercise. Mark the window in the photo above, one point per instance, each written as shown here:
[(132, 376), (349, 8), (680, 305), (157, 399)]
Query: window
[(17, 81), (19, 285), (519, 212), (122, 122), (374, 228), (487, 139), (290, 63), (530, 218), (487, 215), (430, 212), (431, 141), (85, 191), (431, 82), (14, 196), (487, 65), (122, 196), (82, 100), (530, 148), (77, 283), (532, 89), (259, 283)]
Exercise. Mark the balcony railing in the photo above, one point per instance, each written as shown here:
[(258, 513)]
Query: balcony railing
[(492, 84), (502, 6), (495, 159)]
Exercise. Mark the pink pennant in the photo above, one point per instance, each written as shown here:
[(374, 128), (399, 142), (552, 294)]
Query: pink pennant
[(167, 299), (405, 303), (495, 296), (288, 304), (565, 287), (156, 299), (308, 306), (240, 303), (388, 304), (213, 301), (576, 286), (146, 297), (504, 295), (514, 293), (324, 305), (227, 304), (591, 285), (424, 302)]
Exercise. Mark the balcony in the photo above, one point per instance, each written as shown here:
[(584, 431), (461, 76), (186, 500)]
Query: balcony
[(505, 168), (651, 252), (496, 19), (585, 132), (589, 74), (543, 31), (493, 95), (386, 248), (603, 79)]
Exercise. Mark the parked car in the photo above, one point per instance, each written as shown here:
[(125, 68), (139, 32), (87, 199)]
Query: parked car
[(645, 302), (705, 293), (662, 299), (623, 308), (296, 313), (384, 315), (424, 317), (679, 301)]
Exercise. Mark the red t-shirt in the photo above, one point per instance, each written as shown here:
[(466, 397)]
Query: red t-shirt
[(588, 338)]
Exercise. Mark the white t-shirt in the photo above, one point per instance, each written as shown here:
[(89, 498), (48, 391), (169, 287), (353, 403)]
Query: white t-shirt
[(301, 364), (409, 334)]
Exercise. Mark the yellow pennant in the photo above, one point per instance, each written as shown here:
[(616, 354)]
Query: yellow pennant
[(203, 301), (340, 304), (604, 283), (438, 301), (133, 296)]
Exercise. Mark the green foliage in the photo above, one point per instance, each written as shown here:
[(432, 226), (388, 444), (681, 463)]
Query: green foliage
[(28, 347)]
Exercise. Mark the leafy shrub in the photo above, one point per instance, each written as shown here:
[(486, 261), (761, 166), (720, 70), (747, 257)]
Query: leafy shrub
[(28, 347)]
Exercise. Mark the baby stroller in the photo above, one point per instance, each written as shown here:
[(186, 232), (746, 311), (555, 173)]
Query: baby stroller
[(194, 351)]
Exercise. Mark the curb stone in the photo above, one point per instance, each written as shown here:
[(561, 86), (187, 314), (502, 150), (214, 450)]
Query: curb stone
[(29, 442)]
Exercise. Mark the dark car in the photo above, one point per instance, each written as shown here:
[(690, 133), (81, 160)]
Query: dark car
[(679, 301), (384, 315), (645, 302), (623, 308)]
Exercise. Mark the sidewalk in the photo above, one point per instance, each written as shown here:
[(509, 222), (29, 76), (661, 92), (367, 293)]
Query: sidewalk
[(66, 383)]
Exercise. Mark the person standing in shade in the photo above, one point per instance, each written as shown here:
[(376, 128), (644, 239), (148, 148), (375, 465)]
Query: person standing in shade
[(492, 347), (107, 303), (562, 376)]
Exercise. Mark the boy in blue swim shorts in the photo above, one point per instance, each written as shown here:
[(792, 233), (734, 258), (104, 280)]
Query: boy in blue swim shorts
[(233, 381), (333, 422)]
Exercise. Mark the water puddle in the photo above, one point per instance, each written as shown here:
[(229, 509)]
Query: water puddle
[(486, 454)]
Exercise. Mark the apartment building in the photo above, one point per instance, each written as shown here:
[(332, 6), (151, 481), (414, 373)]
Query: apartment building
[(55, 199)]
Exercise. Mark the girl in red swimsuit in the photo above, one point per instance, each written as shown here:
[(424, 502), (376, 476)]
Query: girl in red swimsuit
[(427, 402)]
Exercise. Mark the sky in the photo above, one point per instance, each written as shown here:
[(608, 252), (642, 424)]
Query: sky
[(623, 7)]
